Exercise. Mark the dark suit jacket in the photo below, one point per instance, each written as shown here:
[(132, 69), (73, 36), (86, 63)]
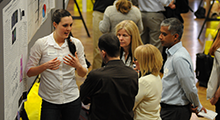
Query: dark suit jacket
[(112, 90)]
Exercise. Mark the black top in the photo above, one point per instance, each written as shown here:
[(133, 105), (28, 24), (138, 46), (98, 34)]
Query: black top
[(101, 5), (111, 91)]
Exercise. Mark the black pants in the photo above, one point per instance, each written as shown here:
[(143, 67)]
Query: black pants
[(68, 111), (171, 112), (217, 110)]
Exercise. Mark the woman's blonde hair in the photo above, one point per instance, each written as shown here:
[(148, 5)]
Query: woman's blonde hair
[(123, 6), (149, 58), (131, 28), (216, 43)]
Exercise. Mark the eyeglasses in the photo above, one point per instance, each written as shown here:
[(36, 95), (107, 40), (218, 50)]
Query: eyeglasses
[(135, 59)]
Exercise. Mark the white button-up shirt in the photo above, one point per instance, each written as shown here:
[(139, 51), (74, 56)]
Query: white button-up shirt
[(56, 86), (153, 5), (179, 87)]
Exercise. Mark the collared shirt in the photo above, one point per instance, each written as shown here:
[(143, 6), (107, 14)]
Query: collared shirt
[(153, 5), (56, 86), (128, 61), (147, 101), (112, 90), (178, 80)]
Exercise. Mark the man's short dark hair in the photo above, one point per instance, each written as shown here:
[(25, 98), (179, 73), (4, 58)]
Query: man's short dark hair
[(110, 44)]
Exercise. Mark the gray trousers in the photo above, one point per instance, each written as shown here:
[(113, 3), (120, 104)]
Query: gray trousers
[(151, 23)]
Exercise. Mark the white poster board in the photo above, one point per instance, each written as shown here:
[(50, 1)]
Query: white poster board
[(21, 19), (15, 54)]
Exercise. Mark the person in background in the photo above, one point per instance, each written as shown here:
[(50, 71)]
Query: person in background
[(56, 57), (98, 12), (121, 10), (213, 89), (147, 102), (179, 89), (169, 12), (152, 16), (129, 37), (111, 90)]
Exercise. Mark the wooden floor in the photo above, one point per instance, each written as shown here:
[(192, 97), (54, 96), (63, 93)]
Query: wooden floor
[(192, 27)]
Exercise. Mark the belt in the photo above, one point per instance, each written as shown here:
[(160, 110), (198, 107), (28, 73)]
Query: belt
[(152, 12), (163, 105)]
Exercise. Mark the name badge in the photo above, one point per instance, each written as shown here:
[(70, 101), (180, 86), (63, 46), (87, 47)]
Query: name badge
[(52, 52), (166, 71)]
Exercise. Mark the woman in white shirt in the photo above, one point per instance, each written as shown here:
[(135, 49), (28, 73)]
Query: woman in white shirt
[(129, 37), (148, 60), (213, 89), (56, 57)]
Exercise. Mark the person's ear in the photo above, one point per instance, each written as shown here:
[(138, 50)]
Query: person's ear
[(103, 53), (176, 36), (55, 24)]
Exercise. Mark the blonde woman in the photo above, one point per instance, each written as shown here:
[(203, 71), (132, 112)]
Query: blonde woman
[(148, 60), (119, 11), (129, 37)]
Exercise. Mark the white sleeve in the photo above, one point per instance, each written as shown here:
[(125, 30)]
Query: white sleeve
[(35, 55)]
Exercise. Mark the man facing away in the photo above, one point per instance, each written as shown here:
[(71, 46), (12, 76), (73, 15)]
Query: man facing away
[(111, 90), (179, 89)]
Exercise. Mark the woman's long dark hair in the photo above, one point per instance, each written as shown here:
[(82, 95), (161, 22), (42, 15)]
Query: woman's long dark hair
[(56, 17), (71, 45)]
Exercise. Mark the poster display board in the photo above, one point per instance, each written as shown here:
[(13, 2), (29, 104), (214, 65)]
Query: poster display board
[(15, 53), (21, 19)]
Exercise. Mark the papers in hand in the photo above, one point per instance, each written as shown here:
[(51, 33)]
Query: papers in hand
[(210, 114)]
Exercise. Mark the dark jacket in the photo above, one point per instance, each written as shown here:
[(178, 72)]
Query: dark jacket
[(111, 91), (101, 5)]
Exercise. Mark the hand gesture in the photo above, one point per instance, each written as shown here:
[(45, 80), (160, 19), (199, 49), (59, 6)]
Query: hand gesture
[(72, 61), (53, 64)]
